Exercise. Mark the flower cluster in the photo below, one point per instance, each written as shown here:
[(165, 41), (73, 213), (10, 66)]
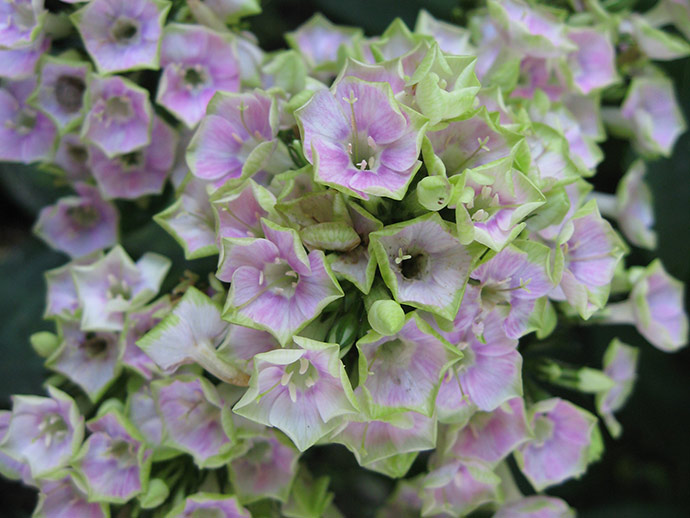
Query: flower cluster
[(397, 221)]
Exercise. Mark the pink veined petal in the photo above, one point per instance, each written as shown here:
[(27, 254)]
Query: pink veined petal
[(492, 380)]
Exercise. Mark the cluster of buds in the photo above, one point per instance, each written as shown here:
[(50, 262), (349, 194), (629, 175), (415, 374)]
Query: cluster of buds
[(397, 220)]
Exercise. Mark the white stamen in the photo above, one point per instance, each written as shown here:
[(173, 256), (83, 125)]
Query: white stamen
[(291, 273), (286, 378), (237, 138), (480, 215), (303, 365), (362, 165), (349, 148), (293, 392), (261, 278), (371, 142)]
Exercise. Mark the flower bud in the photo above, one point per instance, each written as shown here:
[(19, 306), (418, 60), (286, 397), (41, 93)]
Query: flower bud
[(386, 317), (44, 343), (433, 192)]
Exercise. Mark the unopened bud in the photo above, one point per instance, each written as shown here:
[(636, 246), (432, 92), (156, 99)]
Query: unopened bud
[(44, 343), (386, 317), (433, 192)]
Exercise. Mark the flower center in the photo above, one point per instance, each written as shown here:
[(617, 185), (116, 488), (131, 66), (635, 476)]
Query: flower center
[(279, 277), (362, 147), (94, 345), (69, 91), (84, 216), (132, 160), (52, 429), (481, 206), (300, 375), (543, 429), (412, 266), (194, 76), (119, 108), (124, 452), (207, 513), (124, 30), (26, 121), (77, 153), (259, 452), (118, 288)]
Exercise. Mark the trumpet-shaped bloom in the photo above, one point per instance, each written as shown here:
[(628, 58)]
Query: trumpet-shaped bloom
[(561, 447), (472, 141), (634, 211), (239, 213), (26, 134), (20, 22), (191, 333), (138, 172), (593, 64), (122, 36), (63, 499), (655, 307), (72, 157), (652, 110), (360, 139), (620, 365), (492, 436), (20, 63), (403, 371), (458, 487), (533, 30), (11, 467), (79, 225), (119, 118), (115, 284), (236, 138), (190, 219), (137, 324), (190, 409), (44, 432), (591, 254), (536, 507), (61, 296), (502, 198), (197, 62), (114, 462), (516, 277), (90, 360), (275, 285), (303, 392), (209, 504), (490, 371), (265, 471), (390, 444), (423, 264), (318, 40), (61, 92)]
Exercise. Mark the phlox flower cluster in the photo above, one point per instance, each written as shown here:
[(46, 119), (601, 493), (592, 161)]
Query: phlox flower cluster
[(399, 223)]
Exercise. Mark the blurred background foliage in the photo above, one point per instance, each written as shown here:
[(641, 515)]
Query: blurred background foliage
[(645, 473)]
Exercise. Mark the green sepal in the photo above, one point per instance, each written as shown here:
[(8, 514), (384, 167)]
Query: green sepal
[(155, 495)]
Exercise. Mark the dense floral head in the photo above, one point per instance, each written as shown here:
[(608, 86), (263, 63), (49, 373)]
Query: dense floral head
[(388, 243)]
